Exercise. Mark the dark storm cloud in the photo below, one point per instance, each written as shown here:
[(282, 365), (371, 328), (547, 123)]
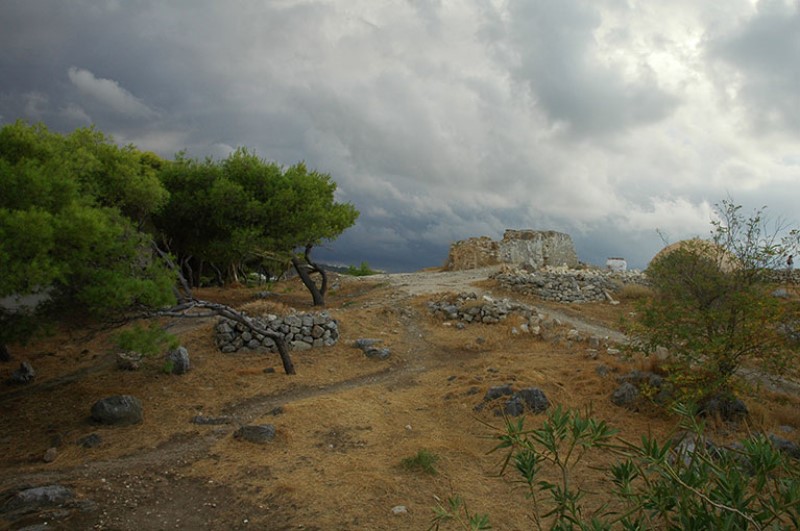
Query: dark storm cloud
[(570, 84), (765, 52), (438, 120)]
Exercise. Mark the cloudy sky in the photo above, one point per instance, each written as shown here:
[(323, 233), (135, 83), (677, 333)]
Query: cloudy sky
[(442, 120)]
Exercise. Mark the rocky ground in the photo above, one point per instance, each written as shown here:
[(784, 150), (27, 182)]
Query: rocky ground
[(343, 424)]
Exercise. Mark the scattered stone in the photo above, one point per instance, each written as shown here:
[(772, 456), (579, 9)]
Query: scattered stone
[(498, 391), (179, 358), (785, 446), (517, 403), (625, 395), (269, 370), (378, 353), (602, 370), (49, 495), (259, 434), (686, 444), (120, 410), (90, 441), (210, 421), (24, 374), (50, 455), (399, 509), (129, 361), (727, 408), (534, 399)]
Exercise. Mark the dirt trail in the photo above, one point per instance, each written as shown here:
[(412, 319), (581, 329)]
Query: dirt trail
[(429, 282)]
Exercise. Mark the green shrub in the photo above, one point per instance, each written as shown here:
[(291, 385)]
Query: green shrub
[(712, 308), (652, 485), (422, 461), (361, 271), (149, 341)]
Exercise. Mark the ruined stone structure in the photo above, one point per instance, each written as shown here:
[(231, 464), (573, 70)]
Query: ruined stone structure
[(531, 249)]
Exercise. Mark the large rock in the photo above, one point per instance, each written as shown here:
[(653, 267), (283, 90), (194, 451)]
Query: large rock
[(120, 410), (46, 496)]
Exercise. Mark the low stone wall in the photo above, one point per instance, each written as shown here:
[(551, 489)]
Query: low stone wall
[(569, 285), (300, 331)]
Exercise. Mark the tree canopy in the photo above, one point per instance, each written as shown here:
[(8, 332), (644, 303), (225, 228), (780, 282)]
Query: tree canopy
[(80, 218), (223, 214), (71, 209)]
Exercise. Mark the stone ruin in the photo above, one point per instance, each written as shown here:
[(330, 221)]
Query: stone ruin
[(529, 249)]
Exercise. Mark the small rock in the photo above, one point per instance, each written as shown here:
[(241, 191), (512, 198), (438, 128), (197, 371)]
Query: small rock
[(399, 509), (179, 358), (365, 343), (210, 421), (727, 408), (378, 353), (497, 391), (534, 399), (785, 446), (50, 455), (624, 395), (129, 361), (256, 434), (90, 441), (120, 410), (24, 375)]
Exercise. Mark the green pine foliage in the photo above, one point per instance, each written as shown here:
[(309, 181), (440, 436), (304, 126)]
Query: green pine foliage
[(243, 210), (71, 210)]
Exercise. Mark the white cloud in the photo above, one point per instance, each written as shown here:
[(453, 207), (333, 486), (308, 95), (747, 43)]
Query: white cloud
[(109, 93)]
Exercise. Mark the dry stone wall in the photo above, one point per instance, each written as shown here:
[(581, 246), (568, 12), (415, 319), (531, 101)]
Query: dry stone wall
[(569, 285), (300, 331)]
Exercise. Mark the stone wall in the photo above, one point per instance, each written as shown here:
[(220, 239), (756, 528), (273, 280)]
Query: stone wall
[(530, 249), (569, 285), (473, 253), (300, 331)]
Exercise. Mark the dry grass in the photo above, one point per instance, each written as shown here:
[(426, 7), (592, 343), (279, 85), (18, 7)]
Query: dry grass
[(346, 421)]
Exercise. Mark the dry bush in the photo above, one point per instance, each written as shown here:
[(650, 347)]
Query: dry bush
[(633, 292)]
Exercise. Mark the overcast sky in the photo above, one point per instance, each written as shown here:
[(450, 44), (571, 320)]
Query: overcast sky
[(443, 120)]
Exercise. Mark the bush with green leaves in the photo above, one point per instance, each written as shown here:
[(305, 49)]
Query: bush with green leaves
[(422, 461), (149, 341), (712, 309), (72, 215), (651, 485), (364, 270)]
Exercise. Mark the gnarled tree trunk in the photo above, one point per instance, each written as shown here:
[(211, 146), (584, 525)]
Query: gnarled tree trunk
[(305, 270)]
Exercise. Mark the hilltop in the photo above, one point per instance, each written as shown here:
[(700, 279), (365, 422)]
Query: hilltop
[(343, 423)]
